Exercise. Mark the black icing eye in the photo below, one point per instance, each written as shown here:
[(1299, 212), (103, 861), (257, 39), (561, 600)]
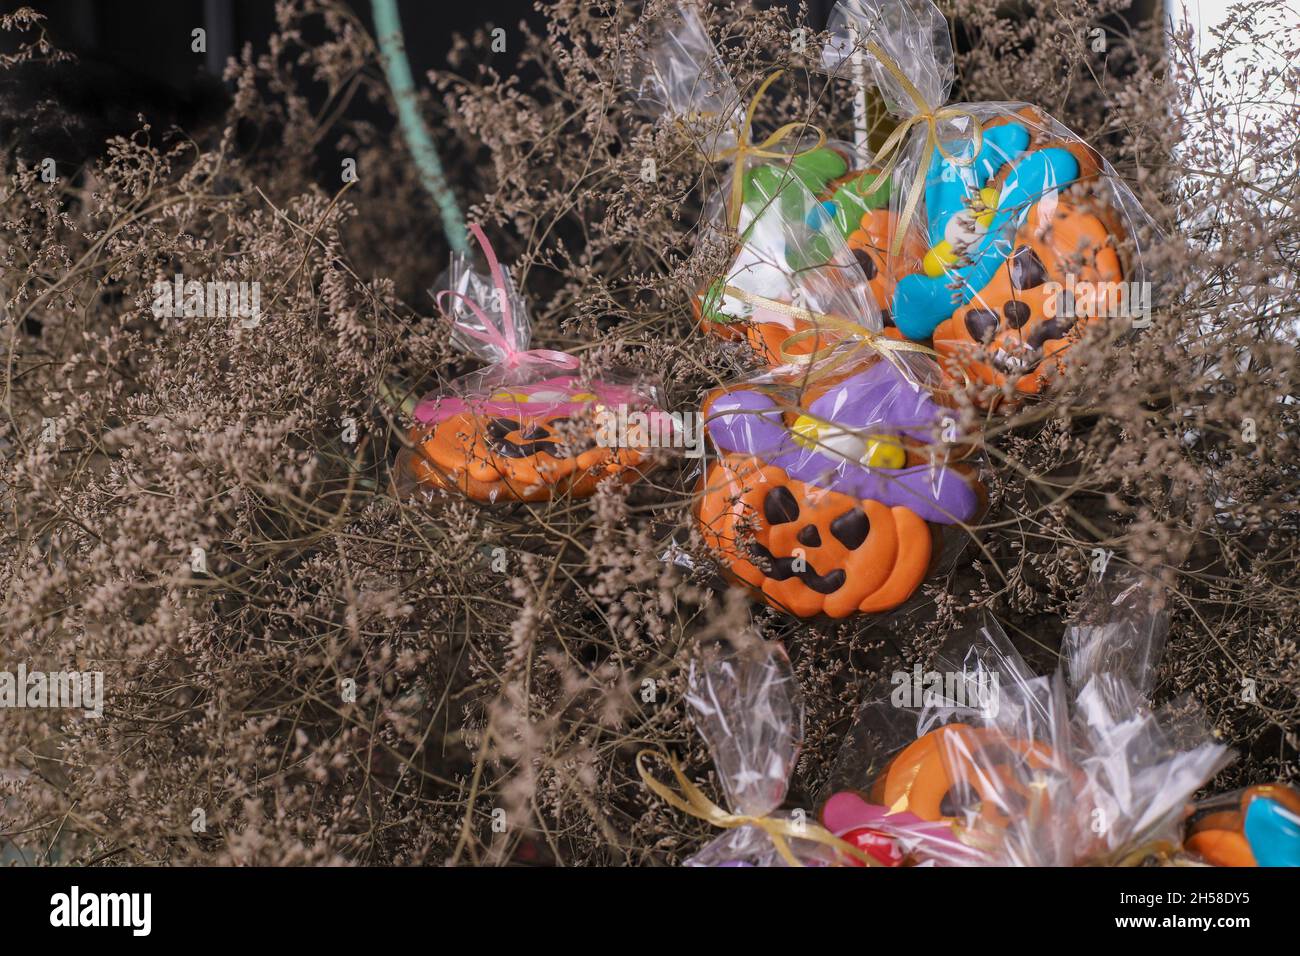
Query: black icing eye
[(981, 324), (1027, 270), (780, 506), (865, 261), (851, 528), (1017, 313)]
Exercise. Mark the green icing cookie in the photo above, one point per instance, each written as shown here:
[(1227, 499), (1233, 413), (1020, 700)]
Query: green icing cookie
[(817, 252), (711, 303), (819, 167), (815, 170), (850, 205)]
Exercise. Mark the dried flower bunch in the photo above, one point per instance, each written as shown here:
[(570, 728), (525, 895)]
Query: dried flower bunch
[(300, 667)]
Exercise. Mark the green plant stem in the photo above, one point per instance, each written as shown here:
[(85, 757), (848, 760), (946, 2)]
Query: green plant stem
[(388, 28)]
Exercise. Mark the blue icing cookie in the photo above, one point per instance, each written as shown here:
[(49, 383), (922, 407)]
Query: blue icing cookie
[(1273, 833), (921, 302), (945, 196)]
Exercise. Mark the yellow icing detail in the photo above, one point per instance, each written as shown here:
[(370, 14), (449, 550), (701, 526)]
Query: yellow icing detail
[(583, 397), (884, 451), (807, 431), (939, 258)]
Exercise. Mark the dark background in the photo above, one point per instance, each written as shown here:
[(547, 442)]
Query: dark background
[(152, 37), (134, 57)]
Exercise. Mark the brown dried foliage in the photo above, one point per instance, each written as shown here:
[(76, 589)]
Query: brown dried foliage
[(523, 695)]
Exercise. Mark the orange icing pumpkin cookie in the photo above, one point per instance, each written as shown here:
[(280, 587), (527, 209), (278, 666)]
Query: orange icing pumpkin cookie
[(832, 502), (957, 770), (1018, 324), (1023, 253), (528, 443), (526, 428)]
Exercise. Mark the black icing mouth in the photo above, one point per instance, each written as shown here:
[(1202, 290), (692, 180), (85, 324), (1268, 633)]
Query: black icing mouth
[(1016, 362), (1024, 356), (535, 440), (850, 529), (1026, 352), (782, 569)]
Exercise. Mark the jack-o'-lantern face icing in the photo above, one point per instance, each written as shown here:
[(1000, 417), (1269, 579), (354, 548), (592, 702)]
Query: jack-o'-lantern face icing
[(1011, 235), (831, 509), (958, 772), (524, 428), (1022, 319), (525, 442)]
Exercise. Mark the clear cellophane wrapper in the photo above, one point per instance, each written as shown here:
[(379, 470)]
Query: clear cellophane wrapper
[(977, 761), (1021, 236), (841, 481), (745, 704), (530, 426), (792, 260), (790, 207)]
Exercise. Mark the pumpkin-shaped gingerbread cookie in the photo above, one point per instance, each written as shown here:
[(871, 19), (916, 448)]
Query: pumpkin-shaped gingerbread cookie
[(1023, 318), (835, 501), (1024, 250), (524, 443), (525, 428), (958, 772)]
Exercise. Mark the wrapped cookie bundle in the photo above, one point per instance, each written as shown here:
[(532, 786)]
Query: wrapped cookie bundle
[(1072, 769), (836, 483), (745, 704), (1007, 234), (782, 200), (977, 761), (529, 426)]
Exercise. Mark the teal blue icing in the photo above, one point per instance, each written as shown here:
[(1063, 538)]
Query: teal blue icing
[(921, 302), (1273, 833), (946, 196)]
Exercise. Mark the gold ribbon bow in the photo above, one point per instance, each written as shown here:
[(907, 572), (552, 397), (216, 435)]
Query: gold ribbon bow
[(1162, 851), (891, 150), (693, 801), (891, 350), (745, 147)]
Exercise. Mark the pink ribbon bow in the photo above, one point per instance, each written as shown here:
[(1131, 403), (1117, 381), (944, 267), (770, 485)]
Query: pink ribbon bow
[(503, 336)]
